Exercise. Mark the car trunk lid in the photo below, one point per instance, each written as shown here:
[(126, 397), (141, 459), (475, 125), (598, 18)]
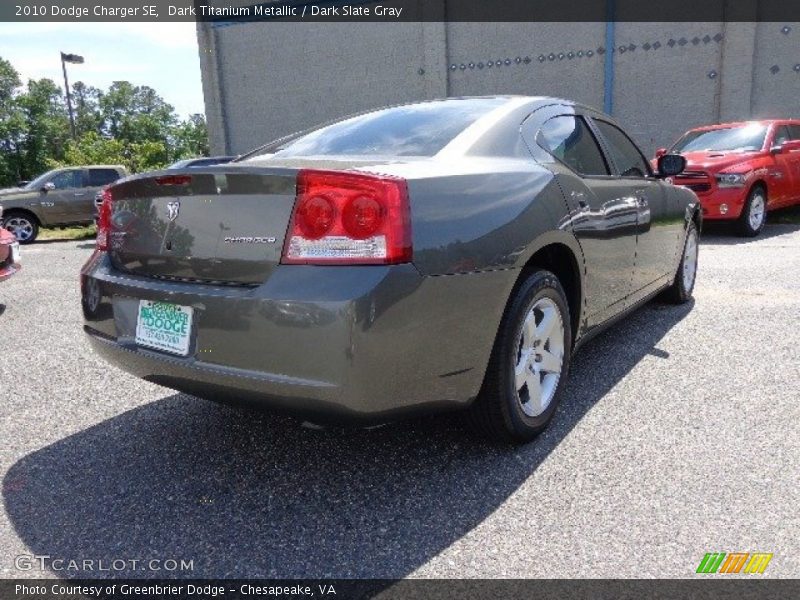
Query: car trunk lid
[(223, 225)]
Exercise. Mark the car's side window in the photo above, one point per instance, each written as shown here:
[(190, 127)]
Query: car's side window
[(68, 179), (782, 135), (101, 177), (569, 139), (794, 131), (624, 153)]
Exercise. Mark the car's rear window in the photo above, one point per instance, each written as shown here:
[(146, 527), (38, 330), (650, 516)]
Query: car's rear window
[(413, 130), (100, 177)]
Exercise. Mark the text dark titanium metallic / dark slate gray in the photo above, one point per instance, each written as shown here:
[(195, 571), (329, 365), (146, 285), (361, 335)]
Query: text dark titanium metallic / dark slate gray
[(437, 255)]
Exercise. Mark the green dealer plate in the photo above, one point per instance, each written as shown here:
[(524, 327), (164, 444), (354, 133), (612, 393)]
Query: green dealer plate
[(164, 326)]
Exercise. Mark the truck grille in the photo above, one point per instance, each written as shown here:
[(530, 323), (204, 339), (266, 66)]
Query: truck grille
[(697, 181)]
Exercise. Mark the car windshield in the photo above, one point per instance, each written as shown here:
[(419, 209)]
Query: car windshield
[(742, 138), (414, 130)]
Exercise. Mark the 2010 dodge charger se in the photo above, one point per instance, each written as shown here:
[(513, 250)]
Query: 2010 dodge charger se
[(444, 254)]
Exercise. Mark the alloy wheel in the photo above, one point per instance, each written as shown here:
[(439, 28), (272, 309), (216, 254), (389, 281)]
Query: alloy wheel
[(690, 260), (539, 357), (756, 214), (21, 227)]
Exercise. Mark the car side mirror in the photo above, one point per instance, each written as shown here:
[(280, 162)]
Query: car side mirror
[(661, 152), (48, 187), (670, 165)]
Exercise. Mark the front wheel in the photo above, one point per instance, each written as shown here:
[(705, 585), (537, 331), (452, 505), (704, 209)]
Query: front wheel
[(529, 363), (682, 287), (754, 213), (24, 227)]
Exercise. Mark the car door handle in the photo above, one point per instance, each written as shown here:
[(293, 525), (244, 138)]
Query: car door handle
[(580, 198)]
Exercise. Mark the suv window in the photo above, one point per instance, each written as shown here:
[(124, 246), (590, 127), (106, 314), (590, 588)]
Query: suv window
[(100, 177), (68, 179), (570, 140), (794, 131), (624, 153)]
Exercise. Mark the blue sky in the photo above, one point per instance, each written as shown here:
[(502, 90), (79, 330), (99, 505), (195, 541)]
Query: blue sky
[(161, 55)]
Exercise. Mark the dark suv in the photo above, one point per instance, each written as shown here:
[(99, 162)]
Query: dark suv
[(57, 198)]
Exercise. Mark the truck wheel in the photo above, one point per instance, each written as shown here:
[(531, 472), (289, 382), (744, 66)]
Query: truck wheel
[(529, 363), (24, 226), (754, 213)]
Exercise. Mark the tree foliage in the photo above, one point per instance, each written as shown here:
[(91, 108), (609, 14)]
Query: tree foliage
[(125, 124)]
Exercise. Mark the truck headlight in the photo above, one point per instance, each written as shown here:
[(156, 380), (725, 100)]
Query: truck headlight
[(731, 179)]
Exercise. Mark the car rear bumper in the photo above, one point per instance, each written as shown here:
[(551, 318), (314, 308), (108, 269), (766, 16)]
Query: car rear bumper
[(327, 343)]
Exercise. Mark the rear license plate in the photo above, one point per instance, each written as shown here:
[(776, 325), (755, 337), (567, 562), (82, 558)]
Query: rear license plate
[(164, 326), (14, 253)]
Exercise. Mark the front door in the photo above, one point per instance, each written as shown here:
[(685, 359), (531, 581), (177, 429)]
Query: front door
[(60, 205), (659, 224)]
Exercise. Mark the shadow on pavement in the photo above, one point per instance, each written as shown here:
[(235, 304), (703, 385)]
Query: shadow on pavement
[(245, 494), (779, 222)]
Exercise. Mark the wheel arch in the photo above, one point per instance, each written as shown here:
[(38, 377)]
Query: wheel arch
[(559, 253), (24, 211)]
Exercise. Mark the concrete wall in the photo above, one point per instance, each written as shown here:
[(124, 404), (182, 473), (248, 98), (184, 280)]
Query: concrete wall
[(264, 80)]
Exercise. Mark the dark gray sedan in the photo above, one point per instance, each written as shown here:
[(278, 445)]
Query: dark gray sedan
[(439, 255)]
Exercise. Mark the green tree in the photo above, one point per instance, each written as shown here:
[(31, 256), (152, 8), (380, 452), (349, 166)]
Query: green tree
[(86, 103), (12, 125), (46, 126), (125, 124), (191, 137)]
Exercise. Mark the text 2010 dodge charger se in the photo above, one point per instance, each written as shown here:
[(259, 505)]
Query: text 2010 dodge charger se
[(444, 254)]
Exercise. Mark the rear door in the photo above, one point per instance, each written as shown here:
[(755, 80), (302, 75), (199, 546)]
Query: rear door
[(602, 216), (658, 222)]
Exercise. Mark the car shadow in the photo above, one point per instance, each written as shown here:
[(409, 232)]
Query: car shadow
[(246, 494), (2, 309), (779, 222)]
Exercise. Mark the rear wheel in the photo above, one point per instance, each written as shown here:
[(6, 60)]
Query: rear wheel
[(529, 364), (681, 289), (754, 213), (24, 226)]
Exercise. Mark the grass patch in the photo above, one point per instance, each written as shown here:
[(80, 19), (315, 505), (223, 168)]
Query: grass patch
[(87, 232)]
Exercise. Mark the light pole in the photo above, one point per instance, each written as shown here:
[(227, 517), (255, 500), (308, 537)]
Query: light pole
[(77, 60)]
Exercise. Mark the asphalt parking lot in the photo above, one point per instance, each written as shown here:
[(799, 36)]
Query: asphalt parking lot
[(678, 436)]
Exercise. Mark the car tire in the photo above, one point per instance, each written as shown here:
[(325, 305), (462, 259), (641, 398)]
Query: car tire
[(754, 212), (682, 287), (22, 224), (532, 347)]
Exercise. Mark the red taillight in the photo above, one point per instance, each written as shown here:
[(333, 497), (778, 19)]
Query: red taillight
[(104, 221), (349, 218), (174, 180)]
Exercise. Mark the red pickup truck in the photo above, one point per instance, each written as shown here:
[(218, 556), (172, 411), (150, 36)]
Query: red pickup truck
[(9, 253), (739, 171)]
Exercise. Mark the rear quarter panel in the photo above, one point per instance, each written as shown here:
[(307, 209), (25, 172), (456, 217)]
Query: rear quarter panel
[(483, 214)]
